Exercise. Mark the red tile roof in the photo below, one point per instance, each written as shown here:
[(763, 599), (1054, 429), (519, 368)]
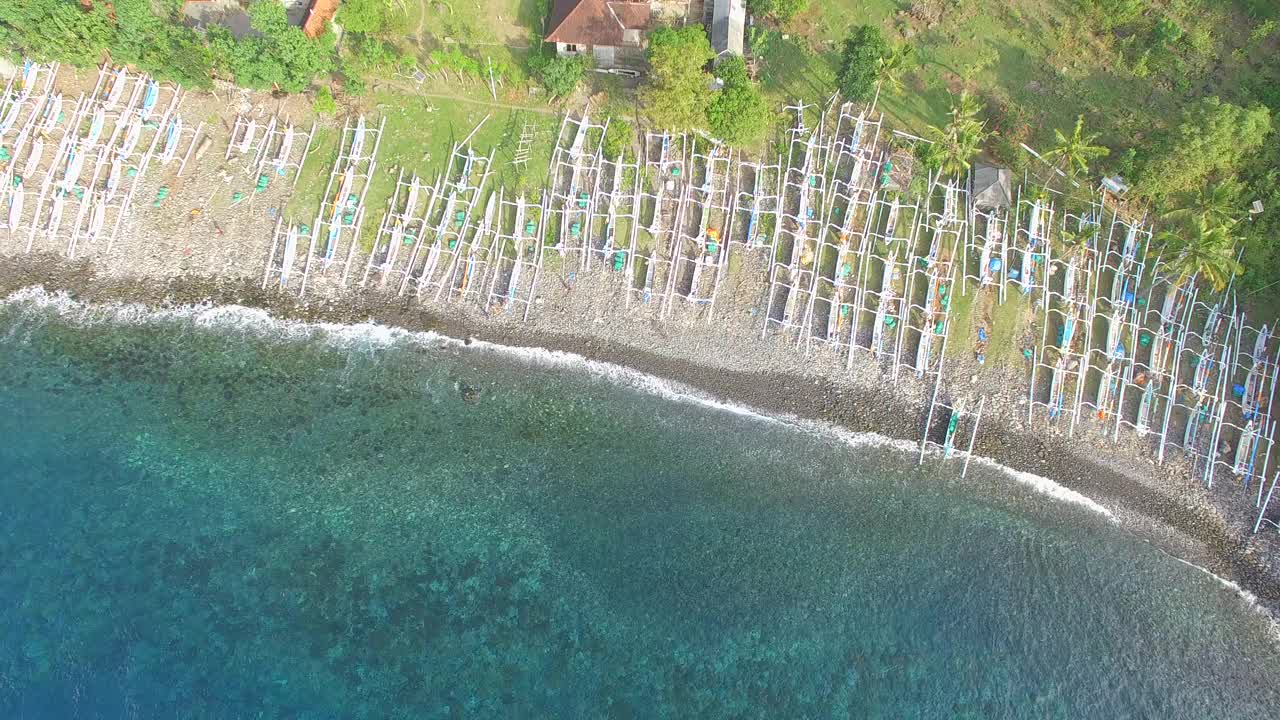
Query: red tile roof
[(596, 22), (322, 11)]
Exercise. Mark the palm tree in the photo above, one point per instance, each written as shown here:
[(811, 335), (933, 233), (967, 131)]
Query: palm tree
[(961, 139), (1072, 153), (1075, 242), (1208, 252), (1214, 205), (889, 68)]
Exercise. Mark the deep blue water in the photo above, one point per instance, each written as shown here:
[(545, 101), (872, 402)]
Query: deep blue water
[(204, 521)]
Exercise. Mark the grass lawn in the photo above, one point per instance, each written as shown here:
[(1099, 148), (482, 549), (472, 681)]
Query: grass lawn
[(507, 22), (1007, 325), (1035, 63), (419, 133), (304, 203)]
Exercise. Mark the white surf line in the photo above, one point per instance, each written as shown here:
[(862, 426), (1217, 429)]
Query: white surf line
[(349, 336), (679, 392), (1251, 600)]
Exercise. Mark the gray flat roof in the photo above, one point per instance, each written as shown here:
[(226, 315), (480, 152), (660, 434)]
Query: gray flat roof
[(728, 24)]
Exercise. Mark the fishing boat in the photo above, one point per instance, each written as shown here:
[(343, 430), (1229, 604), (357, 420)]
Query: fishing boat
[(55, 215), (289, 256), (33, 158), (357, 141), (518, 241), (953, 424), (29, 72), (1057, 385), (74, 166), (117, 88), (149, 100), (52, 111), (993, 236), (97, 219), (10, 117), (1106, 390), (1199, 415), (171, 136), (246, 139), (1243, 464), (340, 201), (16, 197), (579, 138), (882, 307), (1143, 424), (1252, 397), (282, 154), (131, 137), (476, 240), (113, 179), (95, 128)]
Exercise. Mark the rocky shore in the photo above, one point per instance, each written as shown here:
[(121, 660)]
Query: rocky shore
[(728, 360)]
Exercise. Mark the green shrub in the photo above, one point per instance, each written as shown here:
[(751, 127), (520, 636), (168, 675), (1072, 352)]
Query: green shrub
[(860, 62), (324, 103)]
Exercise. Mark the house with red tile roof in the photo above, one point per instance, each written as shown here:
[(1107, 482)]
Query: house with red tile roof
[(612, 32)]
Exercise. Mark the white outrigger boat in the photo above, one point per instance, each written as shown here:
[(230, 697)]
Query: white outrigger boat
[(290, 254)]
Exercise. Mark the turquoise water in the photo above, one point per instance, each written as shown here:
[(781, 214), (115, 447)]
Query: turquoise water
[(210, 519)]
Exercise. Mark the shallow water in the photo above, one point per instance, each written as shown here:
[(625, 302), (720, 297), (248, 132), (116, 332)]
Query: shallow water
[(206, 515)]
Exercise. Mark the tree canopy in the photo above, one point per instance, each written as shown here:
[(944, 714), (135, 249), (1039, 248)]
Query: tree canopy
[(783, 11), (1073, 153), (559, 75), (129, 30), (279, 56), (136, 33), (955, 144), (1208, 252), (369, 16), (860, 62), (677, 93), (738, 114), (1213, 138)]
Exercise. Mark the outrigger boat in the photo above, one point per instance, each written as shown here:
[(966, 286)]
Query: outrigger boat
[(475, 249), (286, 146), (172, 134), (149, 100), (246, 139), (953, 424), (95, 128), (1143, 424), (29, 72), (517, 240), (10, 117), (994, 235), (113, 179), (340, 201), (290, 254), (16, 196), (117, 88), (52, 111), (1245, 450), (33, 157), (73, 171), (1252, 397), (357, 140), (97, 219), (131, 137)]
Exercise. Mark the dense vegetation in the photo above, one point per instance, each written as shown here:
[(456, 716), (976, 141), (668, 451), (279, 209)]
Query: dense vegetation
[(677, 94), (150, 36)]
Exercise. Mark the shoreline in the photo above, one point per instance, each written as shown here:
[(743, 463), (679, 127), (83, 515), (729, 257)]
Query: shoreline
[(1160, 505)]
